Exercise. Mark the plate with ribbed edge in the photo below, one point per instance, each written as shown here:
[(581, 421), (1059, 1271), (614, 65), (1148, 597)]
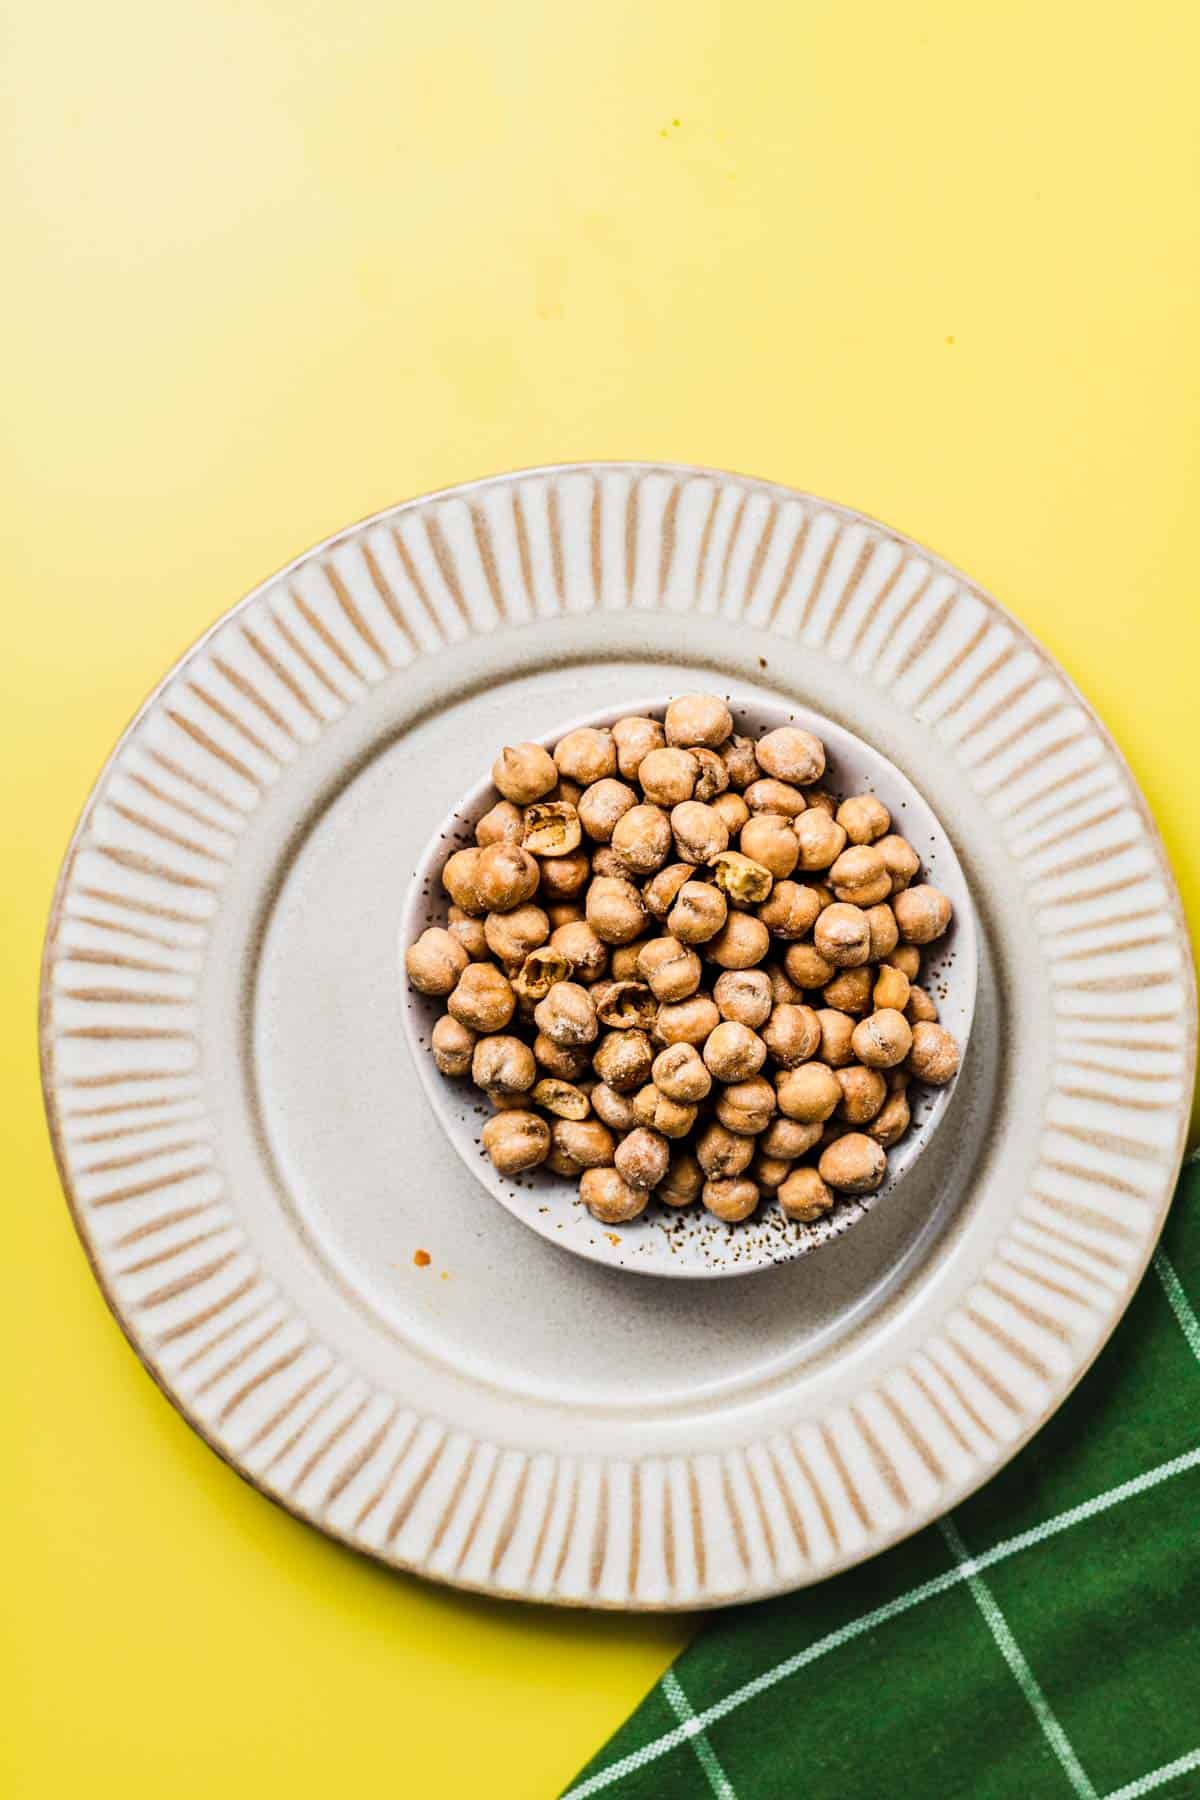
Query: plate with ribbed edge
[(294, 1249)]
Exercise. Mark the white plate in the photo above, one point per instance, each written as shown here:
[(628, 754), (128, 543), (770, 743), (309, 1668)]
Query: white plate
[(691, 1243), (252, 1165)]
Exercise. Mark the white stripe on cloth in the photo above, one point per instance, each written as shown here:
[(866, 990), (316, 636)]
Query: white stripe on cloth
[(1011, 1651), (1146, 1784), (1181, 1306), (709, 1761), (1075, 1515)]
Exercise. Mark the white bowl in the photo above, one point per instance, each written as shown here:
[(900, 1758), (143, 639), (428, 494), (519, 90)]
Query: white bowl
[(691, 1242)]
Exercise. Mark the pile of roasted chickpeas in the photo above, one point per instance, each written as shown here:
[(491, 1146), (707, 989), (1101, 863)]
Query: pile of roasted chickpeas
[(679, 968)]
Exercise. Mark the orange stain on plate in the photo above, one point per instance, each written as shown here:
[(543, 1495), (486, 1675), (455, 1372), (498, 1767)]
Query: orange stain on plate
[(422, 1258)]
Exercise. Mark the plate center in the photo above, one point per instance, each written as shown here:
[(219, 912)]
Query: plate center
[(374, 1188)]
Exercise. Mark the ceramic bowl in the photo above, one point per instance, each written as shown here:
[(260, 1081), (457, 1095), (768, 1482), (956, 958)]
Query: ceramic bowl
[(696, 1243)]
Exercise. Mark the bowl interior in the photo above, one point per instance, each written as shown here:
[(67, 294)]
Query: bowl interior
[(692, 1243)]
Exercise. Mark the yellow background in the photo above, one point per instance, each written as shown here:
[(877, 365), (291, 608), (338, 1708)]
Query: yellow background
[(271, 264)]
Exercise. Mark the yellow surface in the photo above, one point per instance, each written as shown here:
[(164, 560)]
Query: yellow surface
[(270, 265)]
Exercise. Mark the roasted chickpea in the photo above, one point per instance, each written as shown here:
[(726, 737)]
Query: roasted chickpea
[(804, 1196), (854, 1164), (863, 1093), (934, 1056), (586, 755), (713, 778), (849, 991), (516, 1140), (791, 911), (885, 934), (642, 838), (586, 954), (610, 1198), (565, 1062), (900, 860), (483, 999), (660, 891), (679, 1072), (539, 972), (891, 1121), (721, 1152), (820, 838), (906, 958), (843, 936), (789, 1138), (883, 1040), (920, 1007), (563, 876), (745, 881), (616, 1110), (807, 967), (623, 962), (623, 1060), (784, 991), (512, 935), (658, 1112), (625, 1004), (859, 875), (524, 772), (435, 962), (922, 913), (683, 1180), (733, 1051), (503, 1065), (606, 862), (668, 777), (562, 912), (820, 800), (699, 832), (460, 880), (809, 1093), (837, 1035), (778, 797), (698, 913), (792, 1035), (578, 1144), (615, 910), (672, 971), (747, 1106), (567, 1016), (732, 811), (602, 804), (453, 1046), (769, 840), (468, 932), (863, 818), (552, 829), (792, 755), (643, 1157), (698, 719), (743, 995), (769, 1171), (891, 989), (634, 739), (505, 876), (730, 1200), (687, 1022), (504, 823), (562, 1098), (738, 755), (741, 942)]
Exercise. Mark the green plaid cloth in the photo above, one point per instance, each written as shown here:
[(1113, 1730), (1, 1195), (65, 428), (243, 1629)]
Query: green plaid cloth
[(1042, 1639)]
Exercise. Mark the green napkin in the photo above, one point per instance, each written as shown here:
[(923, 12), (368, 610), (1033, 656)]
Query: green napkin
[(1041, 1639)]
